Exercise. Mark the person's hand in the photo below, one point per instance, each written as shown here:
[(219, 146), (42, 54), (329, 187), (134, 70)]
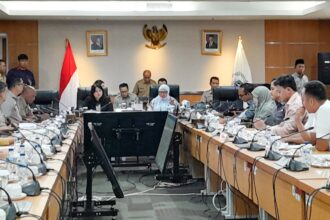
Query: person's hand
[(7, 128), (172, 101), (259, 124), (222, 120), (299, 116)]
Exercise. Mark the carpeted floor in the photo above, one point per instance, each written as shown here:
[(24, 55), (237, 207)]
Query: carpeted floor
[(174, 203)]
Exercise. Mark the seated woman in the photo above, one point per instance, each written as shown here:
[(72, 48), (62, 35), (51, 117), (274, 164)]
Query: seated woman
[(4, 127), (265, 106), (277, 115), (97, 99), (164, 102)]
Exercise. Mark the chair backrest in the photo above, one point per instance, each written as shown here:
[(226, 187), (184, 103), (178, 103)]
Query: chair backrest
[(83, 92), (174, 92), (47, 98)]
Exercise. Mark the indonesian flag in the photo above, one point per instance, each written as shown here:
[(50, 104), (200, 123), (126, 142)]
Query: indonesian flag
[(242, 72), (69, 81)]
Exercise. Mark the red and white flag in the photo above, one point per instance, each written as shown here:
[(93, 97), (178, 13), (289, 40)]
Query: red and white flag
[(69, 81)]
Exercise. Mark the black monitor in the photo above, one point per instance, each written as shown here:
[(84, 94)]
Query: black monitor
[(125, 134), (165, 142), (174, 92), (105, 162), (225, 98)]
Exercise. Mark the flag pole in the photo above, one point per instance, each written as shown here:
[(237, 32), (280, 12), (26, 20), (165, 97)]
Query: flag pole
[(66, 42)]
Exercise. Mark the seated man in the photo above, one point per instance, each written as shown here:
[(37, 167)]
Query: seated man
[(207, 96), (164, 102), (286, 86), (162, 81), (245, 94), (9, 107), (315, 101), (3, 121), (24, 101), (125, 97)]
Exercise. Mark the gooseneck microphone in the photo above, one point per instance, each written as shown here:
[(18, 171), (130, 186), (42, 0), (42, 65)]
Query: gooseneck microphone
[(272, 155), (29, 188), (257, 146), (297, 166), (238, 139), (10, 209)]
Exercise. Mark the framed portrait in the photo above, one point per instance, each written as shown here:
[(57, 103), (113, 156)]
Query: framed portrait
[(97, 43), (211, 42)]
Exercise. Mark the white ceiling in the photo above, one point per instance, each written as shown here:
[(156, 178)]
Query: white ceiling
[(165, 10)]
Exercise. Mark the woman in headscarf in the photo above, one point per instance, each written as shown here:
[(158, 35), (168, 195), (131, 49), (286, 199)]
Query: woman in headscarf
[(164, 102), (97, 100), (265, 106)]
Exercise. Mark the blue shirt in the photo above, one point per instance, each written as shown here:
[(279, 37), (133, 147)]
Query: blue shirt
[(25, 74)]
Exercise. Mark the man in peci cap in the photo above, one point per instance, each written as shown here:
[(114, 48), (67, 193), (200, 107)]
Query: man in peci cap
[(21, 71), (299, 75)]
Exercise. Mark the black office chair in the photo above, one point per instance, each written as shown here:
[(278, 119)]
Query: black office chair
[(226, 99), (174, 92), (82, 94), (46, 99)]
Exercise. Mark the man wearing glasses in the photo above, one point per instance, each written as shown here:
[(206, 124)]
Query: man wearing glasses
[(10, 107), (245, 94)]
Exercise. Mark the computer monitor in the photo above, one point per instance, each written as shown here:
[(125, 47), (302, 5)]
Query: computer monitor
[(104, 161), (125, 134), (174, 92), (165, 142)]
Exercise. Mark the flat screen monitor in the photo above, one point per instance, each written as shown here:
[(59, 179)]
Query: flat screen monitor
[(174, 92), (165, 142), (125, 134), (105, 162)]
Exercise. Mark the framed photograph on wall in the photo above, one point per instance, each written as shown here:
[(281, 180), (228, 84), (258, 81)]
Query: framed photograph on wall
[(211, 42), (97, 43)]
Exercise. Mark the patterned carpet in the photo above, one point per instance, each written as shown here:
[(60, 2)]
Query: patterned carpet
[(155, 203)]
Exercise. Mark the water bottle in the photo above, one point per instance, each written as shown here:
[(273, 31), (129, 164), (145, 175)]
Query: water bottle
[(11, 158), (307, 155), (22, 172), (21, 149)]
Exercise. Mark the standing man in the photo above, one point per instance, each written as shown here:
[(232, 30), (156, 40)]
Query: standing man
[(142, 87), (207, 96), (24, 101), (125, 97), (10, 107), (299, 75), (21, 71), (3, 71)]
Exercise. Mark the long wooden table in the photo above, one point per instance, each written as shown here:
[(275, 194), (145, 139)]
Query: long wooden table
[(45, 205), (235, 166)]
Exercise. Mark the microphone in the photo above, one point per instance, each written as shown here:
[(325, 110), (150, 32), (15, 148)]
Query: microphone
[(29, 188), (10, 209), (256, 146), (239, 140), (42, 168), (58, 139), (272, 155), (104, 106), (297, 166), (53, 149)]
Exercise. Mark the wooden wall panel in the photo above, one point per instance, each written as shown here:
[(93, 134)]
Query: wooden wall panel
[(288, 40), (22, 38)]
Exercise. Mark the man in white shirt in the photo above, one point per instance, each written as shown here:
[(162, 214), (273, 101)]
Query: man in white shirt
[(315, 101), (299, 75)]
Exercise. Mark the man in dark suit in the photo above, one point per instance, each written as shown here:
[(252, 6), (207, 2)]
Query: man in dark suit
[(210, 43)]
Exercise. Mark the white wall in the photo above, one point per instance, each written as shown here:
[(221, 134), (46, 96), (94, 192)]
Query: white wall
[(180, 61)]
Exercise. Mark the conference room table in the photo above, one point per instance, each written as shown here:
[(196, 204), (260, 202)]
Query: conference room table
[(250, 178), (45, 205)]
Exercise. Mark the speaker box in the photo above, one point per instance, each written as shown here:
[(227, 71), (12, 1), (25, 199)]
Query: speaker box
[(324, 67)]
